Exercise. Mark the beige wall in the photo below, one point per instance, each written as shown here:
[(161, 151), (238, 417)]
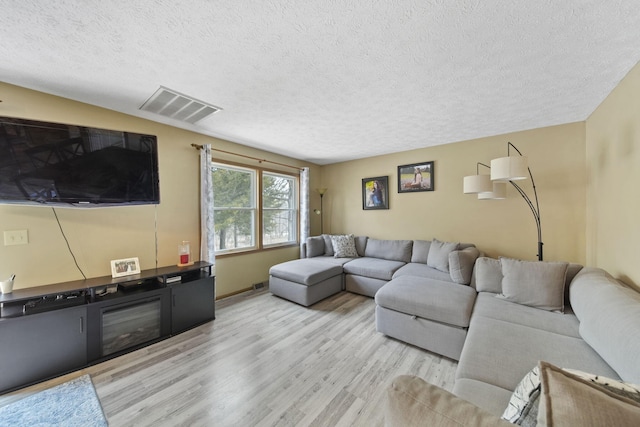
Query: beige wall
[(505, 227), (586, 175), (613, 189), (99, 235)]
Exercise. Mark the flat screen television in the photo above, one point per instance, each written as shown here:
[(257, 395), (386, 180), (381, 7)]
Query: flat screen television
[(66, 165)]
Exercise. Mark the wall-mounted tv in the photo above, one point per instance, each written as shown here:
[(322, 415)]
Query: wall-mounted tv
[(66, 165)]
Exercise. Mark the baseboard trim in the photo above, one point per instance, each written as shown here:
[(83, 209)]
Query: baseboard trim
[(241, 291)]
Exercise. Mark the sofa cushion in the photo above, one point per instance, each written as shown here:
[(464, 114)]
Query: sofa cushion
[(501, 353), (344, 246), (315, 246), (328, 246), (488, 275), (422, 270), (374, 268), (444, 302), (609, 314), (568, 400), (329, 260), (361, 244), (534, 283), (438, 257), (392, 250), (495, 308), (420, 251), (305, 271), (523, 404), (461, 264), (620, 387)]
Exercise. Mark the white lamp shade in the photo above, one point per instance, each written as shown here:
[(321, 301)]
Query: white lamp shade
[(499, 192), (512, 168), (474, 184)]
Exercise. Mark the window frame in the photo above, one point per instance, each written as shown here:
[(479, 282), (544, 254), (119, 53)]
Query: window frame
[(259, 245), (294, 212)]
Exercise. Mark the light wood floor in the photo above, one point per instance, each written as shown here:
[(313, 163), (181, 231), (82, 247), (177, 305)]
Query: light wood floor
[(264, 361)]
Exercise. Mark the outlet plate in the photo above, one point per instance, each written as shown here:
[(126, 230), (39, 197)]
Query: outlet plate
[(16, 237)]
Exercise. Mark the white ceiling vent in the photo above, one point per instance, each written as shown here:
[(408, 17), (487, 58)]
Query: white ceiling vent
[(169, 103)]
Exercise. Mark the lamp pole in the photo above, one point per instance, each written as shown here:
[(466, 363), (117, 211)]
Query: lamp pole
[(321, 191), (535, 210), (321, 215)]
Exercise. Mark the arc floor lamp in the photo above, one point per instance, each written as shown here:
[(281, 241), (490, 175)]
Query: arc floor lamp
[(494, 186)]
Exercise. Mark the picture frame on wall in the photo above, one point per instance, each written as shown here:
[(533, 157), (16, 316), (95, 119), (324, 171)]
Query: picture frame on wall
[(125, 267), (375, 193), (415, 177)]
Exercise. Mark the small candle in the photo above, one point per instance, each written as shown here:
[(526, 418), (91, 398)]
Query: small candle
[(184, 253)]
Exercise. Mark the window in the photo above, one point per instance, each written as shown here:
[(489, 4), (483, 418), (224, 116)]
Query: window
[(235, 211), (253, 208), (279, 209)]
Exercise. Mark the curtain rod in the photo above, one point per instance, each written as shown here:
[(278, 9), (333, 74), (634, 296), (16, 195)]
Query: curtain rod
[(199, 147)]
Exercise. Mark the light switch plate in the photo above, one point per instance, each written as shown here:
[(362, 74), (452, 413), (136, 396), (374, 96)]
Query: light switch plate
[(16, 237)]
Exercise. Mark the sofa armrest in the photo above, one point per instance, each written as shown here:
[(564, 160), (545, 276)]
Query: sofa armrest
[(303, 250), (411, 401)]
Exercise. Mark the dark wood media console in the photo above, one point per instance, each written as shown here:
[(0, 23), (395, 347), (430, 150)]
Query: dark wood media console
[(50, 330)]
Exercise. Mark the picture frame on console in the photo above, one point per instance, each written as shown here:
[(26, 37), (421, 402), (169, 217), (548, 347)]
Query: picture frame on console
[(125, 267), (375, 193), (415, 177)]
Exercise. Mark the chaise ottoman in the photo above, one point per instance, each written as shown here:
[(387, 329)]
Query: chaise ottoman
[(428, 313), (305, 281)]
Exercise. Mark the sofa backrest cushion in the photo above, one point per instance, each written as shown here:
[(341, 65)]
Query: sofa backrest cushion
[(392, 250), (465, 246), (438, 257), (461, 264), (537, 284), (361, 244), (570, 398), (315, 246), (420, 251), (328, 246), (488, 275), (609, 314)]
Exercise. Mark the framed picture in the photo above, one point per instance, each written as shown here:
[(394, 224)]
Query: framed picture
[(125, 267), (415, 177), (375, 193)]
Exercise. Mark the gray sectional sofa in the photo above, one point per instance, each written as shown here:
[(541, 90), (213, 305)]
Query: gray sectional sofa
[(499, 318), (371, 265), (598, 333), (421, 287)]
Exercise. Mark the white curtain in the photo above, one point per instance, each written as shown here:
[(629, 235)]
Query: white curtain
[(304, 205), (207, 230)]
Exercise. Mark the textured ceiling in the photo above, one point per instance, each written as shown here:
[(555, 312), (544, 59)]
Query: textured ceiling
[(330, 80)]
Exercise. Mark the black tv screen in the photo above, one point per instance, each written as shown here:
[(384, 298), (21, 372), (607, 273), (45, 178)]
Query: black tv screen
[(56, 164)]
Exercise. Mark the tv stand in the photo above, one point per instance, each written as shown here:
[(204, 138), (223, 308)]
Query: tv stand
[(50, 330)]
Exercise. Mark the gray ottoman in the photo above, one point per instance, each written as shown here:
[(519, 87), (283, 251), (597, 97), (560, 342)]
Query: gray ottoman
[(428, 313), (305, 281)]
